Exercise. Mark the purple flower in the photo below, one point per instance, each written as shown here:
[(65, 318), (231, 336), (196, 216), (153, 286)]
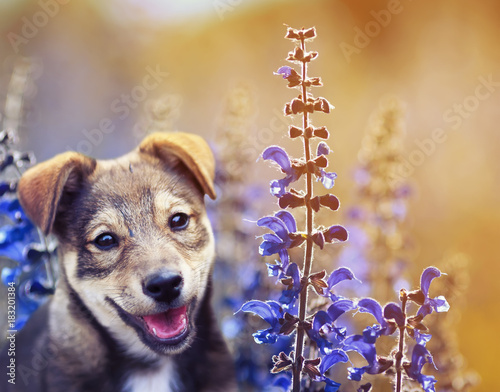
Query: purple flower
[(324, 332), (327, 179), (369, 305), (289, 295), (367, 350), (269, 311), (365, 345), (337, 276), (331, 359), (421, 338), (420, 356), (275, 269), (323, 149), (293, 173), (331, 386), (394, 311), (290, 75), (334, 357), (317, 332), (286, 71), (438, 304), (283, 224)]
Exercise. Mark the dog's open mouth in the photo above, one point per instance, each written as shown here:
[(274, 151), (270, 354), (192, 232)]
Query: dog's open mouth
[(168, 325), (167, 330)]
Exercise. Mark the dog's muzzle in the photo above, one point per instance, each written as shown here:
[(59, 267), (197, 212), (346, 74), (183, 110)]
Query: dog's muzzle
[(165, 287), (170, 327)]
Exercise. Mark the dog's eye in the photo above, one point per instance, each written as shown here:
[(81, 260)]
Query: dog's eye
[(178, 221), (105, 241)]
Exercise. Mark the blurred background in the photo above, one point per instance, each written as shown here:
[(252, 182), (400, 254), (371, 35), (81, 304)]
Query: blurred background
[(106, 73)]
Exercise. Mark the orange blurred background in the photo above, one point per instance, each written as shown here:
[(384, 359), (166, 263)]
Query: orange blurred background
[(441, 59)]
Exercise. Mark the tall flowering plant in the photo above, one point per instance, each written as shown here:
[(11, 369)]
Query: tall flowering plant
[(289, 314), (320, 341)]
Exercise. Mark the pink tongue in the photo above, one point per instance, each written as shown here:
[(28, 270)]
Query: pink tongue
[(167, 324)]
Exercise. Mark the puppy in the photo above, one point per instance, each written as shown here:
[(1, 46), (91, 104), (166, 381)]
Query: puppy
[(131, 312)]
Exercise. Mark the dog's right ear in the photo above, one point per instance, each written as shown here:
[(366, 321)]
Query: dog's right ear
[(192, 150), (41, 187)]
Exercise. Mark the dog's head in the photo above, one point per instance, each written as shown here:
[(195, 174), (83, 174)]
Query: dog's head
[(135, 242)]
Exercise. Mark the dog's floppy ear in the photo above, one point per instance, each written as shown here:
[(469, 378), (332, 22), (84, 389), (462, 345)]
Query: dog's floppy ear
[(41, 187), (191, 149)]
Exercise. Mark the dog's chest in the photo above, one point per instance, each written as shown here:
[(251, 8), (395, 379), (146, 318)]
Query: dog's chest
[(162, 379)]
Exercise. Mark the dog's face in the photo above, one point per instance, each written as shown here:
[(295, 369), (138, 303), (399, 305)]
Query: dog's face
[(135, 240)]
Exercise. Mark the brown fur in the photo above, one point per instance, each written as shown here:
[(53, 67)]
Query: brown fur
[(91, 321)]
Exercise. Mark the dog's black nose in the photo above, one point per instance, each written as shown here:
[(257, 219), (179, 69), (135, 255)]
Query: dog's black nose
[(164, 287)]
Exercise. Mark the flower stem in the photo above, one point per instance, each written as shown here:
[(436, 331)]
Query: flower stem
[(299, 342), (400, 353)]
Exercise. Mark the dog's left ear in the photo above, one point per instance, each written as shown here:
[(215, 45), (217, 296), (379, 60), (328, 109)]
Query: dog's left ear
[(192, 150), (41, 187)]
